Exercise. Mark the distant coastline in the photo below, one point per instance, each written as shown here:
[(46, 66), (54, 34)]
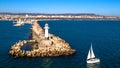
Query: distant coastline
[(40, 16)]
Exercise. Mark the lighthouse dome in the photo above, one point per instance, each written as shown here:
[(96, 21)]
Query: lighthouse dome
[(46, 25)]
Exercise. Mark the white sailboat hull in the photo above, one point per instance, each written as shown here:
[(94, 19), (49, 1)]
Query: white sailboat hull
[(93, 60), (18, 24)]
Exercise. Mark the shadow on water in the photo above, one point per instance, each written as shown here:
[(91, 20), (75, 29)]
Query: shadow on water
[(46, 63), (95, 65)]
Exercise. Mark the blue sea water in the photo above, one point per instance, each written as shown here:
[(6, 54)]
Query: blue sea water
[(104, 35)]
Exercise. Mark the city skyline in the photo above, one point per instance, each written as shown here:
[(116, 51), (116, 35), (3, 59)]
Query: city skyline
[(103, 7)]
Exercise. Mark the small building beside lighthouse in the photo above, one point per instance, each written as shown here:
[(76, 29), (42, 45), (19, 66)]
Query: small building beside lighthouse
[(46, 31)]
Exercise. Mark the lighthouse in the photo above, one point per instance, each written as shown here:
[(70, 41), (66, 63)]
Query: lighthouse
[(46, 31)]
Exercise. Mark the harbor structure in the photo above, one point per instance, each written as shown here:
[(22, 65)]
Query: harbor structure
[(52, 47)]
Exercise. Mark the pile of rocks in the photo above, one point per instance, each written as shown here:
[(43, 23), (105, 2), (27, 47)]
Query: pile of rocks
[(16, 51)]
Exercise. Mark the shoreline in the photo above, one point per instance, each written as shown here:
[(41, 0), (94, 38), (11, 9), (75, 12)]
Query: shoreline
[(13, 16), (73, 19)]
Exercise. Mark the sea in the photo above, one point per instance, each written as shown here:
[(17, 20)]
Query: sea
[(103, 34)]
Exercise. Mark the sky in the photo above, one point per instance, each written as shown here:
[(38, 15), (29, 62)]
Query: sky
[(102, 7)]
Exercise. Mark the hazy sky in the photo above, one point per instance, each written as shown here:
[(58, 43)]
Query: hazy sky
[(104, 7)]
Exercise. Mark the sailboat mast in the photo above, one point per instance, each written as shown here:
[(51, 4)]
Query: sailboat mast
[(92, 53)]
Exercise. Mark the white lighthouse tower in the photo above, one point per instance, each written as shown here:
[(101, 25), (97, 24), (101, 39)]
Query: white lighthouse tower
[(46, 31)]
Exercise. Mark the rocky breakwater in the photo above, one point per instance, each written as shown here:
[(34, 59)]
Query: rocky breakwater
[(51, 47)]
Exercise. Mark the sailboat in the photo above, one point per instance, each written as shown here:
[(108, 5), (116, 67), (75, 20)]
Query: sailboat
[(19, 23), (91, 56)]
